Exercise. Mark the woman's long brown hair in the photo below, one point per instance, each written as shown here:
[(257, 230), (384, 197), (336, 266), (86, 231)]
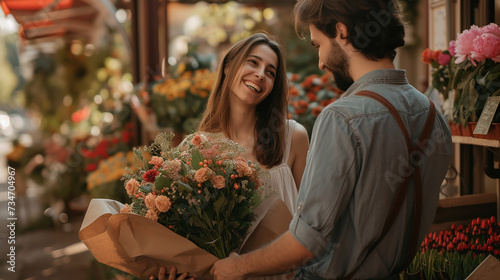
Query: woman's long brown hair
[(271, 112)]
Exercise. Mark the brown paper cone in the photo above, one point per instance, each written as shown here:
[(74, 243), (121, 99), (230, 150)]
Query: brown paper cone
[(140, 246)]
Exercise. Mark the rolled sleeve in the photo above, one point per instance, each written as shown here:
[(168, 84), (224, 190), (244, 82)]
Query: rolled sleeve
[(328, 182), (306, 235)]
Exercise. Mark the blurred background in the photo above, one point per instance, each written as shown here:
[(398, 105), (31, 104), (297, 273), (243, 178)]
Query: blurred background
[(84, 81)]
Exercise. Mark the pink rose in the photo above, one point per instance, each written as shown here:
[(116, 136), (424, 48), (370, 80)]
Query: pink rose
[(151, 214), (464, 44), (486, 46), (219, 182), (452, 47), (125, 209), (132, 186), (202, 175), (444, 59), (150, 201), (163, 203)]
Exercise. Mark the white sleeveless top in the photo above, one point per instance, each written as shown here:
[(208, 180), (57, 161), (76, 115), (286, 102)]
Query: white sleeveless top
[(281, 180), (281, 177)]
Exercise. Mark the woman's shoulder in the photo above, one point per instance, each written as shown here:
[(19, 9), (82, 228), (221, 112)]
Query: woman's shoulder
[(298, 131)]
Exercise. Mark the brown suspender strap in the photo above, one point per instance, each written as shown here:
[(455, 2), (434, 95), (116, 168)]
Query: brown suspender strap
[(414, 152)]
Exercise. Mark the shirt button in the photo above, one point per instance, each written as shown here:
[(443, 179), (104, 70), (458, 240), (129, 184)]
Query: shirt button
[(299, 207)]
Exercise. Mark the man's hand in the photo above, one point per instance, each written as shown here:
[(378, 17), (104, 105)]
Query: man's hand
[(227, 268)]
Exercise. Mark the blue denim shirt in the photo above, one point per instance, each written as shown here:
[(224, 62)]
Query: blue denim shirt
[(356, 160)]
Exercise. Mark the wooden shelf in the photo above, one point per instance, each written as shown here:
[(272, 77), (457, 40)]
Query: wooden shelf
[(476, 141)]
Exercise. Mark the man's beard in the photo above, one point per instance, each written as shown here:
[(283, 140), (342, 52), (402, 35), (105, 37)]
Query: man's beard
[(341, 81), (338, 64)]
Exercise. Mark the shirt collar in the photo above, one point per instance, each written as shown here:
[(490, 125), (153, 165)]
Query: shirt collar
[(380, 76)]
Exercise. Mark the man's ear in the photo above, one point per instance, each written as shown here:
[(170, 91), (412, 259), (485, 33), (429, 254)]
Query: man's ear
[(341, 30)]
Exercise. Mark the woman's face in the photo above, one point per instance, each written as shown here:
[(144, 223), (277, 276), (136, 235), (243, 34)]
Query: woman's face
[(255, 78)]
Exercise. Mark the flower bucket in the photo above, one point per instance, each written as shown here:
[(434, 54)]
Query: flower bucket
[(493, 131), (455, 129), (466, 130)]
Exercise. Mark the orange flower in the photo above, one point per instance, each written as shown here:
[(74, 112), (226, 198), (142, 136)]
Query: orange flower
[(151, 214), (219, 182), (196, 140), (294, 77), (294, 92), (202, 175), (312, 97), (150, 201), (132, 186), (316, 111), (163, 203), (125, 209), (427, 56)]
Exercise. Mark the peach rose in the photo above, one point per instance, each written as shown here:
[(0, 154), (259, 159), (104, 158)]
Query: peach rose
[(150, 201), (219, 182), (242, 167), (196, 140), (132, 186), (125, 209), (156, 161), (151, 214), (163, 203), (202, 175)]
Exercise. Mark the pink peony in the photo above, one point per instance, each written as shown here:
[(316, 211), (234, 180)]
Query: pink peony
[(452, 47), (464, 44), (150, 201), (491, 28), (151, 214), (219, 182), (444, 59), (486, 46), (163, 203), (156, 161), (125, 209), (202, 175), (132, 186)]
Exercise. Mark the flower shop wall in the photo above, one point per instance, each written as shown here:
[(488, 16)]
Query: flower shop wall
[(474, 157)]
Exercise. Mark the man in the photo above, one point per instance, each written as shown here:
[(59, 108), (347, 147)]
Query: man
[(359, 157)]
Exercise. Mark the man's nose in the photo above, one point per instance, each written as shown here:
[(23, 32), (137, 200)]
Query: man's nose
[(321, 65)]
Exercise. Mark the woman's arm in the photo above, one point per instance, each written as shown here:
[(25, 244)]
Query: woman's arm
[(298, 152)]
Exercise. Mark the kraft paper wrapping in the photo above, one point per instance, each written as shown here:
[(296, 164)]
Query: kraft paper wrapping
[(140, 246)]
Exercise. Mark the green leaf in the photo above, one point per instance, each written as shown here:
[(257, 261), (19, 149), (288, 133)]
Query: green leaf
[(146, 188), (196, 159), (220, 204), (183, 187), (162, 182)]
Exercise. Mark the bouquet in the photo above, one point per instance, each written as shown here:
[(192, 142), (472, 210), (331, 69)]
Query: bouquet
[(191, 205), (202, 190), (443, 69), (477, 52)]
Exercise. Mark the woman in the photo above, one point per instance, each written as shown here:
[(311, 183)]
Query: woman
[(248, 104)]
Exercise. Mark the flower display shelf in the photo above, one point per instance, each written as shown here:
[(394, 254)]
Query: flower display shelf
[(475, 141), (485, 143)]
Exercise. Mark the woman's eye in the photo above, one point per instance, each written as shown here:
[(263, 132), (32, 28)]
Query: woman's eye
[(252, 61), (271, 74)]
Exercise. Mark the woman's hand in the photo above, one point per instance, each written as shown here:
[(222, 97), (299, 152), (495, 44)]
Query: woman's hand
[(171, 275)]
